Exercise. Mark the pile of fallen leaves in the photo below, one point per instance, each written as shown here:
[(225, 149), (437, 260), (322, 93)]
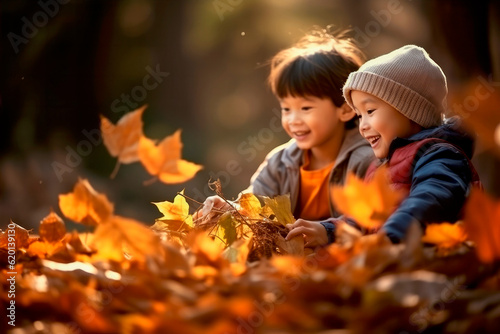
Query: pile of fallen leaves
[(180, 276), (233, 271)]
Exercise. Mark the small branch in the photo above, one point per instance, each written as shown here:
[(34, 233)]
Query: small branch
[(150, 181), (115, 169)]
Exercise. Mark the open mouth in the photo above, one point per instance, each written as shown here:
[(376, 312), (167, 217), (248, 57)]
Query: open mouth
[(300, 134), (373, 140)]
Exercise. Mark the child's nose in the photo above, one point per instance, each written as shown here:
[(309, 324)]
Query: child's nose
[(363, 124), (294, 117)]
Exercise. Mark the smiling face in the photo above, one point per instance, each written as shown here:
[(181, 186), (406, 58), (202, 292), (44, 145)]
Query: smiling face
[(312, 121), (380, 123)]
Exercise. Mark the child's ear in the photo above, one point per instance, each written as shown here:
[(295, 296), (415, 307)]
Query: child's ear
[(346, 113)]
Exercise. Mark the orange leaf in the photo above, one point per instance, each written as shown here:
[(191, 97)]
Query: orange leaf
[(44, 249), (445, 235), (85, 205), (52, 228), (484, 117), (164, 160), (14, 234), (122, 139), (119, 234), (481, 218), (369, 203)]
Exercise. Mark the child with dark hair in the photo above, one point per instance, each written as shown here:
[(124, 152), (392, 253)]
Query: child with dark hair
[(400, 99), (307, 80)]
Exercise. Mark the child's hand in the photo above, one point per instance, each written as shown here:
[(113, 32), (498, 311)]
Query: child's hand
[(212, 202), (314, 233)]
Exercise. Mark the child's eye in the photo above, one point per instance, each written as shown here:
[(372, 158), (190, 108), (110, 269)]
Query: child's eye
[(370, 111), (285, 109), (306, 108)]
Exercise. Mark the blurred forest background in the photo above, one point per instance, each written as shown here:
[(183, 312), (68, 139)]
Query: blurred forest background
[(199, 65)]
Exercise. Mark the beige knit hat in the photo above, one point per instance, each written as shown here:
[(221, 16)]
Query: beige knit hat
[(406, 78)]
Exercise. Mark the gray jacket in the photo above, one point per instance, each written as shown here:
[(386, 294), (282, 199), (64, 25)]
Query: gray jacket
[(279, 174)]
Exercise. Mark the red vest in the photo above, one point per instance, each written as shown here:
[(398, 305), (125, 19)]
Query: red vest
[(404, 159)]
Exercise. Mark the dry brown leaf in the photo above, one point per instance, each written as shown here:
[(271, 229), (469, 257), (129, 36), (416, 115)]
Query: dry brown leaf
[(52, 228), (368, 203), (122, 139), (294, 246), (164, 160), (481, 218), (20, 234), (85, 205)]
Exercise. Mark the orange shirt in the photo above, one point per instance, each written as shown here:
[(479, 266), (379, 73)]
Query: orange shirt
[(314, 202)]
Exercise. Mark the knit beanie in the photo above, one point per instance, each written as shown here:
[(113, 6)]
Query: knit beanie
[(407, 79)]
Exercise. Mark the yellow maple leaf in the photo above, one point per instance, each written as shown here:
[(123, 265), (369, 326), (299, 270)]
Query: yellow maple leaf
[(445, 235), (369, 203), (85, 205), (176, 213), (164, 160), (122, 139)]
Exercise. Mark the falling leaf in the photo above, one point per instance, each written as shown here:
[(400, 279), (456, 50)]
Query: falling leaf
[(281, 207), (85, 205), (164, 160), (484, 118), (368, 203), (445, 235), (52, 228), (481, 218), (175, 215), (119, 234), (122, 139)]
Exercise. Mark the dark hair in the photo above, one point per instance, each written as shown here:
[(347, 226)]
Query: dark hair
[(317, 65)]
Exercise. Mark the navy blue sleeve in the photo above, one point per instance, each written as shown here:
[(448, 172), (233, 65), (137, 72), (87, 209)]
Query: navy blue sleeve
[(330, 230), (440, 184)]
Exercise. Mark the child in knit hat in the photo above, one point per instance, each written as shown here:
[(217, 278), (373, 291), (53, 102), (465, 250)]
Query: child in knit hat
[(307, 80), (400, 99)]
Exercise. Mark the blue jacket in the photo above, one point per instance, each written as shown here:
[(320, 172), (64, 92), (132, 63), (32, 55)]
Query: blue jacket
[(437, 176)]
